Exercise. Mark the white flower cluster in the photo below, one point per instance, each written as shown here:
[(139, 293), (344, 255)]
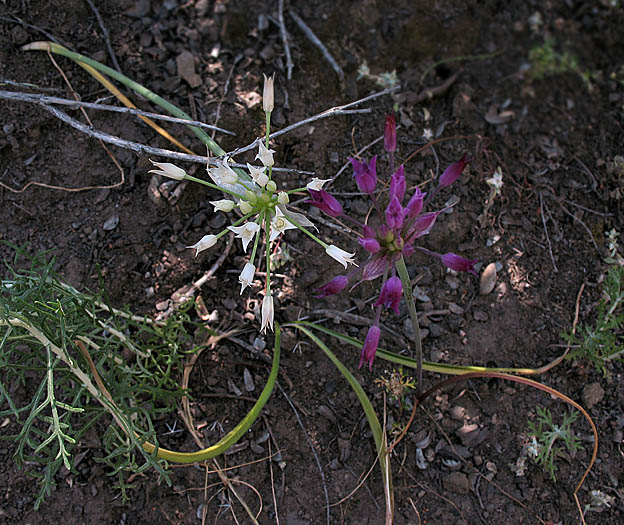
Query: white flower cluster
[(262, 207)]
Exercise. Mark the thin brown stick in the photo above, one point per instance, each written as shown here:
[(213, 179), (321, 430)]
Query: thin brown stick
[(284, 35), (552, 257), (107, 41), (316, 41)]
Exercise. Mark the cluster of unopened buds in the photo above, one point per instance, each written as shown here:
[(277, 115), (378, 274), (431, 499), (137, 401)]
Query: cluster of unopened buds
[(391, 235), (259, 203)]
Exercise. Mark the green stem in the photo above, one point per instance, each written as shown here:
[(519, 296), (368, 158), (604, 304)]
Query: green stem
[(307, 232), (411, 307), (255, 246), (214, 186)]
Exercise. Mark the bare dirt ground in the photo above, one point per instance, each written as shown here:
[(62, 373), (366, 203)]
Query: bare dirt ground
[(555, 139)]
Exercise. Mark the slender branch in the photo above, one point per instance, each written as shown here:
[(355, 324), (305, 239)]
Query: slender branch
[(47, 99), (109, 47), (315, 40), (336, 110), (142, 148), (284, 35)]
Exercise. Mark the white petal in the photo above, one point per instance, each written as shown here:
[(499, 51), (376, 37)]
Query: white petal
[(168, 170), (316, 184), (246, 276), (340, 255), (267, 313), (207, 241), (265, 155)]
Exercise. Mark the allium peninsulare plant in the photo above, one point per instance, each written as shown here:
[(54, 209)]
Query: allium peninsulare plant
[(398, 222), (260, 207)]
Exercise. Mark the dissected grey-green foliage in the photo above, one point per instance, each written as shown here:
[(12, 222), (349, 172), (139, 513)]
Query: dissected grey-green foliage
[(53, 411), (602, 340)]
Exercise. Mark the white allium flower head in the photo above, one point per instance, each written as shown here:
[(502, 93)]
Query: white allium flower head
[(245, 232), (340, 255), (207, 241), (168, 170)]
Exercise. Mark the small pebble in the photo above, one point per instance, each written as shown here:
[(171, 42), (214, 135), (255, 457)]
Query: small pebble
[(487, 280), (592, 395)]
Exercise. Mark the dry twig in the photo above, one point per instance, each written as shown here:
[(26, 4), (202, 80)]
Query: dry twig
[(284, 35), (109, 47), (315, 40)]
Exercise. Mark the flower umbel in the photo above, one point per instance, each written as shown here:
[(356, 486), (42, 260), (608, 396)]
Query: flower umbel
[(390, 235)]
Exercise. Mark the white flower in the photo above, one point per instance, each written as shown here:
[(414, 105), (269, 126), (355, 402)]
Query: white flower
[(246, 276), (340, 255), (427, 134), (282, 197), (267, 93), (279, 224), (267, 313), (258, 175), (207, 241), (168, 170), (222, 173), (223, 205), (265, 155), (316, 184), (245, 207), (496, 181), (245, 232)]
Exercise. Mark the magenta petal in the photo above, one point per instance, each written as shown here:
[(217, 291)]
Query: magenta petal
[(459, 263), (370, 245), (398, 184), (368, 232), (415, 204), (370, 347), (390, 295), (365, 174), (422, 225), (374, 268), (452, 173), (395, 214), (325, 202), (336, 285)]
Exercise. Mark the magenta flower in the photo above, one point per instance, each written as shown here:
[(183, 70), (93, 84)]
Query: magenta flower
[(390, 137), (325, 202), (336, 285), (397, 184), (365, 174), (370, 245), (390, 296), (391, 234), (370, 347), (452, 173), (459, 263)]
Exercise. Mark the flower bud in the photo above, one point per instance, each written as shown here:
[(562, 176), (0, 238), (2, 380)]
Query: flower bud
[(390, 137), (326, 203), (271, 186), (207, 241), (267, 94), (336, 285), (246, 276), (452, 173), (168, 170), (245, 207), (370, 347), (459, 263), (251, 197), (223, 205), (390, 295), (370, 245), (282, 197)]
